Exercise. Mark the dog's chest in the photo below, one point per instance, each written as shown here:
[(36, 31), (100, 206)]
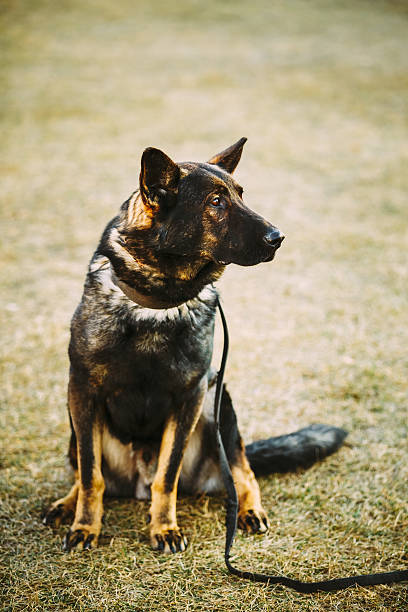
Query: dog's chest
[(179, 345), (155, 368)]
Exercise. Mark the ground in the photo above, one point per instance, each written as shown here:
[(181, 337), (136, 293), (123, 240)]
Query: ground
[(320, 88)]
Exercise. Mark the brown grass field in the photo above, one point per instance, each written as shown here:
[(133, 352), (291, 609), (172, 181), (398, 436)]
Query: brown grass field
[(320, 88)]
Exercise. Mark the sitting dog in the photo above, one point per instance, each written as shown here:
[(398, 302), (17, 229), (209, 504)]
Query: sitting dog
[(141, 387)]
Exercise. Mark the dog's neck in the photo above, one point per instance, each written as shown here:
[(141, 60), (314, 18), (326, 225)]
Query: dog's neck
[(147, 301), (152, 283)]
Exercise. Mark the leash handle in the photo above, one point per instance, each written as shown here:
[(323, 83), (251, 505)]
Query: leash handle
[(336, 584)]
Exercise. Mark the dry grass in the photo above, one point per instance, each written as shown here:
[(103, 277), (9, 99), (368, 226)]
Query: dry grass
[(321, 89)]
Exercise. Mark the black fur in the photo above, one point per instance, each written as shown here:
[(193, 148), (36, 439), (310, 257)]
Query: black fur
[(300, 449)]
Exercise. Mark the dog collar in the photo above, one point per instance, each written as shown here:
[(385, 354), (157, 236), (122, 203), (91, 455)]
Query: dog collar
[(146, 301)]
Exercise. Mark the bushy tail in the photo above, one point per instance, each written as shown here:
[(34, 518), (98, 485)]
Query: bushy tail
[(299, 449)]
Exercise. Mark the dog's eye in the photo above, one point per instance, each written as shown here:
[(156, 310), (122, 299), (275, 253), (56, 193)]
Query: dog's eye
[(216, 201)]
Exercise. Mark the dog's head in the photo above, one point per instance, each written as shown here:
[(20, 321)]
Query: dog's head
[(196, 211)]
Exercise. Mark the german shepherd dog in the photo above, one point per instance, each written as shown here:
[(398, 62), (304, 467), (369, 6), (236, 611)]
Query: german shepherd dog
[(141, 387)]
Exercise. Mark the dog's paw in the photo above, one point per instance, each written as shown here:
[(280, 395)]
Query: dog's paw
[(56, 514), (253, 521), (83, 537), (168, 540)]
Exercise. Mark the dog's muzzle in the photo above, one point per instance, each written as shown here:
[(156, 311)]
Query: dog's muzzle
[(257, 249)]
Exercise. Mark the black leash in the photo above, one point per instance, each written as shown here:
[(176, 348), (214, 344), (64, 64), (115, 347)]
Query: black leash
[(336, 584)]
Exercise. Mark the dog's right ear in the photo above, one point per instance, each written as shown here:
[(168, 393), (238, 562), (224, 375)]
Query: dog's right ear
[(229, 158), (159, 176)]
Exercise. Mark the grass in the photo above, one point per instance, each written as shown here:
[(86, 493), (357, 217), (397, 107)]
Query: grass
[(320, 88)]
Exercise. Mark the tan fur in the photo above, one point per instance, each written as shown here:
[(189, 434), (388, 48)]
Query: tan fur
[(249, 495), (120, 457), (89, 509), (163, 506), (120, 250), (139, 215), (127, 462)]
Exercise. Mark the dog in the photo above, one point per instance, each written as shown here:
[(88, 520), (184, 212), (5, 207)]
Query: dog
[(141, 387)]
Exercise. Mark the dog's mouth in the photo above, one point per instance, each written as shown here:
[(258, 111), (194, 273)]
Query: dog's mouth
[(250, 260), (269, 257)]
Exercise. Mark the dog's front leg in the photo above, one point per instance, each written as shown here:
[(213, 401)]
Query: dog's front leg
[(90, 485), (165, 534)]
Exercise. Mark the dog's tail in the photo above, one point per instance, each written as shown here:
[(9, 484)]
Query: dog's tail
[(299, 449)]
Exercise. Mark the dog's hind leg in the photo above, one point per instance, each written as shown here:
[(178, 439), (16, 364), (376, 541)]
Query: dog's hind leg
[(63, 507), (90, 485), (165, 534), (201, 468), (251, 515)]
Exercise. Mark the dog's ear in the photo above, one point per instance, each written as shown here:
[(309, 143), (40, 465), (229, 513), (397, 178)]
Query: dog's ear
[(229, 158), (159, 176)]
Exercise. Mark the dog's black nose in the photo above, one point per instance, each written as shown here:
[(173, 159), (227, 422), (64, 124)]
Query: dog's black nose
[(274, 238)]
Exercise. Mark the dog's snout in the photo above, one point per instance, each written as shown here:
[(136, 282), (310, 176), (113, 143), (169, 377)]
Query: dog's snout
[(274, 238)]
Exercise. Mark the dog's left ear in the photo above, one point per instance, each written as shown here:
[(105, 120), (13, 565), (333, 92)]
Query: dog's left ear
[(229, 158), (159, 176)]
